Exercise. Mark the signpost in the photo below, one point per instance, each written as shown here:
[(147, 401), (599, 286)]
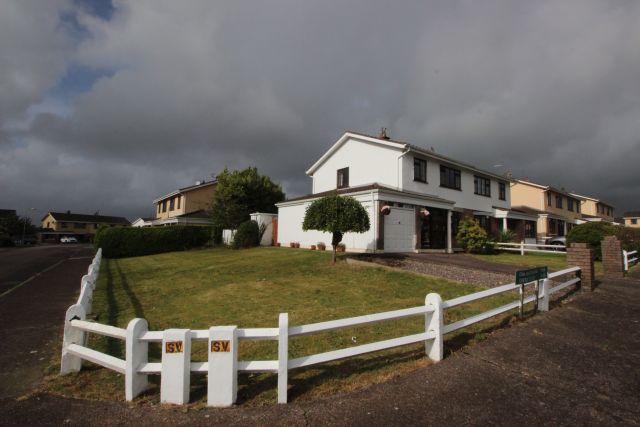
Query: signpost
[(527, 276)]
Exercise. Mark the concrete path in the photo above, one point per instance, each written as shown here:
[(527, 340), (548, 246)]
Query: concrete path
[(36, 287), (575, 365)]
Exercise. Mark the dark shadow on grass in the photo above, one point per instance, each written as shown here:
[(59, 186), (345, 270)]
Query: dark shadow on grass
[(135, 302), (114, 347)]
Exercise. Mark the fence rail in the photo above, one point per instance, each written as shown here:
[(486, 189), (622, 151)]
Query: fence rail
[(223, 365), (523, 247), (629, 258)]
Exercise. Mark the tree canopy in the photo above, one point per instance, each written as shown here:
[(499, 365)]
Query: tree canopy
[(337, 215), (240, 193)]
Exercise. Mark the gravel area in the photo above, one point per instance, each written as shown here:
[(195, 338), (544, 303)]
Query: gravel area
[(483, 278)]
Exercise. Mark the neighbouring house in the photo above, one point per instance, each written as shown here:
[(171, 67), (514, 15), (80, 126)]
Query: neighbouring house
[(82, 226), (632, 219), (142, 222), (557, 210), (186, 206), (415, 197), (595, 210)]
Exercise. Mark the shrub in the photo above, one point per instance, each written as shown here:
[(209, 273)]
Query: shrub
[(592, 234), (630, 238), (247, 235), (506, 236), (119, 242), (471, 235)]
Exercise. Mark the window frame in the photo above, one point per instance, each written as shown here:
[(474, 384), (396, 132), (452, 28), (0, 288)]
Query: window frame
[(420, 165), (502, 191), (570, 204), (549, 198), (481, 186), (455, 173), (344, 173), (559, 201)]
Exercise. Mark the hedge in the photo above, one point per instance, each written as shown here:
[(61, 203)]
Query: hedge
[(120, 242), (592, 234)]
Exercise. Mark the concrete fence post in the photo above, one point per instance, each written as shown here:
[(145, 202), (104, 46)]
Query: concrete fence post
[(69, 362), (612, 262), (136, 354), (283, 357), (433, 325), (543, 301), (176, 366), (222, 384), (522, 247), (580, 255), (625, 258)]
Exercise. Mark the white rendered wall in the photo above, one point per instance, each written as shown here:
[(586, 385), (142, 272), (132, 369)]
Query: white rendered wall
[(290, 220), (465, 199), (367, 163)]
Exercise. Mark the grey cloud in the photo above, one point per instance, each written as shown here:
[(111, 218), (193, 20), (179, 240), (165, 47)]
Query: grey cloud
[(543, 88)]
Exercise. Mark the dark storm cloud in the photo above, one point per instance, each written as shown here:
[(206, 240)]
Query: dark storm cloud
[(547, 89)]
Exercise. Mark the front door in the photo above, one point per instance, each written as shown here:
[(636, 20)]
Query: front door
[(434, 229)]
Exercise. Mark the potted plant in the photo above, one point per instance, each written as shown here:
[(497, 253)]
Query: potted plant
[(341, 247), (297, 244), (321, 246), (292, 244)]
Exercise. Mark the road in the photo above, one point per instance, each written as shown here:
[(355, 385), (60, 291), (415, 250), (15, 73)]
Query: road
[(37, 284)]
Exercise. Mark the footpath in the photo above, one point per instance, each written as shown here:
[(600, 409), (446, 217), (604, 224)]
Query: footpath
[(575, 365)]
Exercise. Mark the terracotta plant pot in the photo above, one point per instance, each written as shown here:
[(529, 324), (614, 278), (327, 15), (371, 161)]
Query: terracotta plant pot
[(341, 248), (292, 244), (322, 246), (278, 244), (313, 247)]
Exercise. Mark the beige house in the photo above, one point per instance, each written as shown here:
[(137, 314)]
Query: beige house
[(557, 210), (632, 219), (594, 209), (81, 226), (186, 206)]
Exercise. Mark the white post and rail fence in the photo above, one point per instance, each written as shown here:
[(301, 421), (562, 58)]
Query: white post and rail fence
[(222, 365), (629, 258), (523, 247)]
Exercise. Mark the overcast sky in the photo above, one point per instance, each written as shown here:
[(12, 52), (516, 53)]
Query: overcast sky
[(105, 106)]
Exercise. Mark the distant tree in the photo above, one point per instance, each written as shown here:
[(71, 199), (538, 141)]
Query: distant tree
[(337, 215), (14, 225), (241, 193)]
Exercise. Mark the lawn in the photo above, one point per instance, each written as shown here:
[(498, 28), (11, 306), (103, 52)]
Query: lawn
[(249, 288), (555, 262)]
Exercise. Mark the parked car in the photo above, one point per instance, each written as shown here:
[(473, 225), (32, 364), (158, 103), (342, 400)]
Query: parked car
[(558, 241), (68, 239)]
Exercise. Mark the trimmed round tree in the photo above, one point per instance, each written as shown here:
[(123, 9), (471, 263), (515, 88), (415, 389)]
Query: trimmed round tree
[(337, 215)]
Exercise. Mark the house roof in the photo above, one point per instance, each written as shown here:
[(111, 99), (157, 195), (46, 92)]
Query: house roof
[(367, 187), (73, 217), (551, 188), (632, 214), (196, 214), (593, 199), (186, 190), (400, 146)]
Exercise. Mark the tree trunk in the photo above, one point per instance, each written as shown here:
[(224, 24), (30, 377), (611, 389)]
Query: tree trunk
[(335, 240), (333, 256)]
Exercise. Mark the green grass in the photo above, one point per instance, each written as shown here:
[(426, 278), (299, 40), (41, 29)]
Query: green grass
[(249, 288), (555, 262)]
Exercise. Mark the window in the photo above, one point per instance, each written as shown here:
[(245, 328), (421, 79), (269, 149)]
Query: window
[(159, 205), (561, 225), (449, 178), (179, 200), (80, 225), (419, 170), (343, 178), (484, 222), (529, 229), (482, 186), (172, 204), (578, 207), (164, 206), (502, 190), (558, 201), (548, 198), (570, 204), (634, 221)]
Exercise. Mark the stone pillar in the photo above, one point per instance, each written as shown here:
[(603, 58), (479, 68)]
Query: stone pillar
[(579, 255), (612, 261)]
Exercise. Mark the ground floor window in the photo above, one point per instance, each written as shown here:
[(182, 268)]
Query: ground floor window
[(529, 229), (433, 229), (484, 221)]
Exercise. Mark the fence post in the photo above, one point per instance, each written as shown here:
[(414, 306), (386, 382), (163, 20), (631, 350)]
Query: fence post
[(222, 384), (136, 354), (543, 301), (433, 324), (625, 258), (283, 356), (522, 247), (69, 362), (176, 366)]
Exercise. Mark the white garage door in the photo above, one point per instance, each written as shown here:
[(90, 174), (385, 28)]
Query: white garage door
[(399, 230)]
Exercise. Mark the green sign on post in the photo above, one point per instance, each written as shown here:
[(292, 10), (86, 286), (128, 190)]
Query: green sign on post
[(531, 275)]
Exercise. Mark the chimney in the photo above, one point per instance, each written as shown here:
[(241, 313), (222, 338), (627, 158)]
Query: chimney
[(68, 212), (383, 133)]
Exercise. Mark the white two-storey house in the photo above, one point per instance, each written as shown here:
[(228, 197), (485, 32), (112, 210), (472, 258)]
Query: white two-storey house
[(415, 197)]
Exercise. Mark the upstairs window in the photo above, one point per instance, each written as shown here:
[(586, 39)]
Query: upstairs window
[(502, 190), (172, 204), (570, 204), (164, 206), (578, 206), (450, 178), (419, 170), (482, 186), (343, 178), (179, 200), (634, 221), (548, 198), (559, 201), (159, 207)]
